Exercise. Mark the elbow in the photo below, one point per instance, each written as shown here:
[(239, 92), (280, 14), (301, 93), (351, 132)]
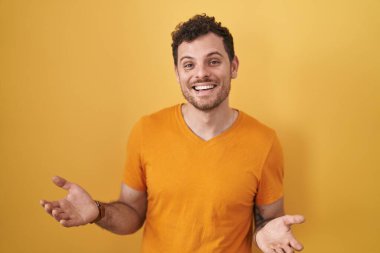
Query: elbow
[(129, 229)]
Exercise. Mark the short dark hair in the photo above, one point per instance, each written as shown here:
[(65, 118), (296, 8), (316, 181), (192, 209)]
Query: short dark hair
[(197, 26)]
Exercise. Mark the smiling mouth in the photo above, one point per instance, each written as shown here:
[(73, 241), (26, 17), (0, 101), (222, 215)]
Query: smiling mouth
[(204, 87)]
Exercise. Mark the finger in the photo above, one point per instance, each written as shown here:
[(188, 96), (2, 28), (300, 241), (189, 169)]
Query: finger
[(59, 214), (296, 245), (61, 182), (287, 249), (48, 208), (68, 223), (267, 249), (293, 219), (278, 250), (51, 203), (56, 214)]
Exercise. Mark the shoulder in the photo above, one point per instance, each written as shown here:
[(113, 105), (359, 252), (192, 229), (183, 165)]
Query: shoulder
[(162, 114), (255, 135), (252, 126), (157, 121)]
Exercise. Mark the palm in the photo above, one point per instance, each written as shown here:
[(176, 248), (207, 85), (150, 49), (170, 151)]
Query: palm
[(77, 208), (277, 234), (79, 205)]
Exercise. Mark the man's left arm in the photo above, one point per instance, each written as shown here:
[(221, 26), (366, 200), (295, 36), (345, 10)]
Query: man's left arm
[(273, 228)]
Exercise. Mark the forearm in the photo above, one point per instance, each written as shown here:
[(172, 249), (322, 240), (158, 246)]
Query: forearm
[(265, 214), (260, 222), (120, 218)]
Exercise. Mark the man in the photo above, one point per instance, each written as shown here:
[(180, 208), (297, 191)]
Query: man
[(196, 173)]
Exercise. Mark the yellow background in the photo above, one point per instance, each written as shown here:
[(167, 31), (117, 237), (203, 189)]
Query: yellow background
[(76, 75)]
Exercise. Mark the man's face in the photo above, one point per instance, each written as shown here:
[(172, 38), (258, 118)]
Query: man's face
[(204, 71)]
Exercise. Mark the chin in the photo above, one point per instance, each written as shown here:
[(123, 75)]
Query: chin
[(206, 107)]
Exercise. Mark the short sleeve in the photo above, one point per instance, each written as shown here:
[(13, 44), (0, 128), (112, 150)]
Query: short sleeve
[(134, 174), (271, 182)]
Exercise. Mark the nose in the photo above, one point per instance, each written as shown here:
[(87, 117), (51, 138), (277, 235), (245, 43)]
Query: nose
[(202, 71)]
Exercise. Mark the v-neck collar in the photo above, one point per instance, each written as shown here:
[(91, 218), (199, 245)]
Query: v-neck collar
[(190, 134)]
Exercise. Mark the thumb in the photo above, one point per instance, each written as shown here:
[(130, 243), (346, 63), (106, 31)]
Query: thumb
[(61, 182), (293, 219)]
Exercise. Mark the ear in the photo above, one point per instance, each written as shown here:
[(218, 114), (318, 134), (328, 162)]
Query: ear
[(176, 73), (234, 67)]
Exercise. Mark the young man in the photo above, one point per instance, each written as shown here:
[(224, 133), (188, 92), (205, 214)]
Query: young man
[(196, 173)]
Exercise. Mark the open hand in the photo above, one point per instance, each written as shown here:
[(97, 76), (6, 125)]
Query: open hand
[(277, 237), (76, 209)]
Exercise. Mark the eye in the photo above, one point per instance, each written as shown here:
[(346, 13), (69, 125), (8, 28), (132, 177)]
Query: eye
[(214, 62), (188, 66)]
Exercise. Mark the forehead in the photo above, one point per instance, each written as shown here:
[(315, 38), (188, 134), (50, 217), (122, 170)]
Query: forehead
[(202, 46)]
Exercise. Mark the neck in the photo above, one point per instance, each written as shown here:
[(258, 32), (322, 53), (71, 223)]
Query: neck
[(208, 124)]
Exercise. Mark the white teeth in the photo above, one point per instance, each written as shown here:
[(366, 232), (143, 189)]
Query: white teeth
[(204, 87)]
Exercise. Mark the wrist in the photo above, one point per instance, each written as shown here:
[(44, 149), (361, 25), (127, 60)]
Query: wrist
[(255, 236), (101, 213), (258, 229)]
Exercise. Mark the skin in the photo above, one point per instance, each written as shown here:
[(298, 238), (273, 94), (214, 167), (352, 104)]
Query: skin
[(125, 216), (273, 228), (203, 61)]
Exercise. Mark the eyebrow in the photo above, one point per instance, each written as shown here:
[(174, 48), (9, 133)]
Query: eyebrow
[(208, 55)]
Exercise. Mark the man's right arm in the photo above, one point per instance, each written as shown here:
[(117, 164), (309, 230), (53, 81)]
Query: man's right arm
[(127, 215), (124, 216)]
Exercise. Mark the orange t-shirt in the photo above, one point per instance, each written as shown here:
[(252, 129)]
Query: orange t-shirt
[(201, 193)]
